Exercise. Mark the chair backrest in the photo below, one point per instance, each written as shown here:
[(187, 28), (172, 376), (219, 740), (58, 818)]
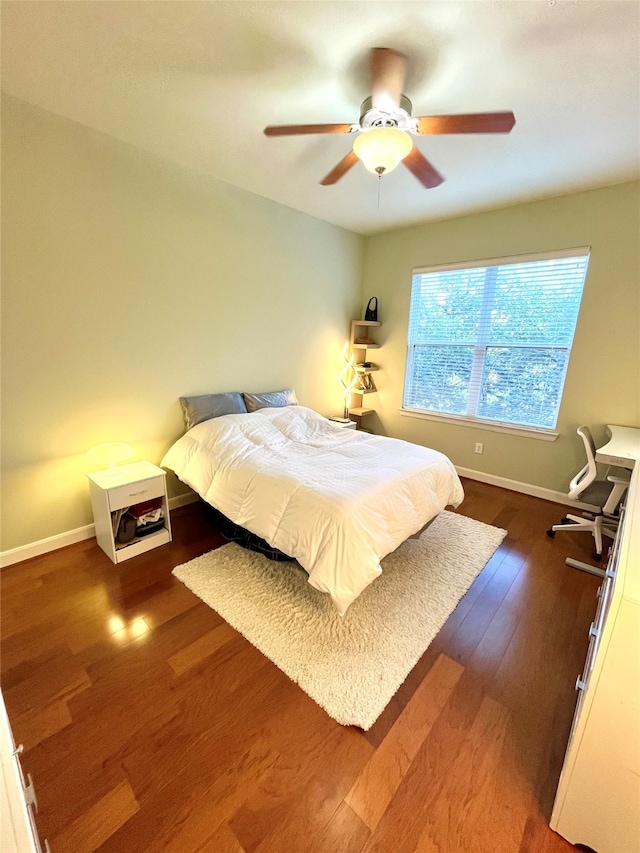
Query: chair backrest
[(588, 474)]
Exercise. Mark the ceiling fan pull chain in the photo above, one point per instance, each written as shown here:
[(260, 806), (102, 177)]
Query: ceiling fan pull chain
[(379, 181)]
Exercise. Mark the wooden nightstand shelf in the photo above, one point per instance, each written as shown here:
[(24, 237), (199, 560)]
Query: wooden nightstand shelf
[(129, 486), (362, 329)]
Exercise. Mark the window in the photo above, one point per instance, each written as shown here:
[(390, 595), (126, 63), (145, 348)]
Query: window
[(491, 342)]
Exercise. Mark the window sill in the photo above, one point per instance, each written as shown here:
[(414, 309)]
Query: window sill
[(490, 426)]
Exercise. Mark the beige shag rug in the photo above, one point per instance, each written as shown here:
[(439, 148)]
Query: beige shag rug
[(351, 665)]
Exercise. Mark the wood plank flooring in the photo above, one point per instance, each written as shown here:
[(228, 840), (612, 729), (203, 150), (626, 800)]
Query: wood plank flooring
[(151, 725)]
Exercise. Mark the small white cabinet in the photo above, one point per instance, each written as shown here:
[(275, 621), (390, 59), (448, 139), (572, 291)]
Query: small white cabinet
[(127, 487), (340, 422)]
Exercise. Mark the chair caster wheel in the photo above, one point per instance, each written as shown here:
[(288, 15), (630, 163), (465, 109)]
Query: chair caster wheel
[(551, 533), (565, 520), (597, 557)]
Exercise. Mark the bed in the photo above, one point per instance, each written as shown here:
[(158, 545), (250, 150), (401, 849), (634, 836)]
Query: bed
[(335, 500)]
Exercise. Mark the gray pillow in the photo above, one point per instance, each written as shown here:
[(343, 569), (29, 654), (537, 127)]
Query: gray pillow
[(270, 400), (207, 406)]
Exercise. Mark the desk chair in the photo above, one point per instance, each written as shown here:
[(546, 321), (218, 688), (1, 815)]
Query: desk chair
[(605, 494)]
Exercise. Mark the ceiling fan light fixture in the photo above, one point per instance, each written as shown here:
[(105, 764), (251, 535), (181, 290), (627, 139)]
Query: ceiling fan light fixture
[(381, 149)]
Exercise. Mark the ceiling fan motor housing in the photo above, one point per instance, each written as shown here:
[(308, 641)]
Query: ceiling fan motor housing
[(383, 133), (399, 117)]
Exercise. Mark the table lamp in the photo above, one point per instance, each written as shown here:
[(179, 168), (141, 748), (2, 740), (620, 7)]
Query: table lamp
[(346, 382), (107, 456)]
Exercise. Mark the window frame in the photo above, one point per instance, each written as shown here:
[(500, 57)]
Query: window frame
[(545, 433)]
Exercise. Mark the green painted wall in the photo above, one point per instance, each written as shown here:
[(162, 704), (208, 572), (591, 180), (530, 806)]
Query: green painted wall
[(127, 282), (603, 380)]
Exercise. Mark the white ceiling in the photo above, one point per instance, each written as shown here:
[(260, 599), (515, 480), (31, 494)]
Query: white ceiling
[(196, 82)]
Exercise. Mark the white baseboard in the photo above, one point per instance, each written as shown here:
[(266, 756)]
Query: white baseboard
[(183, 500), (70, 537), (43, 546), (523, 488), (61, 540)]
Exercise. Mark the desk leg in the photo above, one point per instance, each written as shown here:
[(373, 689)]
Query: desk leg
[(585, 567), (620, 485)]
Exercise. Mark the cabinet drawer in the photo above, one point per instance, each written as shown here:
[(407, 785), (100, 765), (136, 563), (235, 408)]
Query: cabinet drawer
[(136, 493)]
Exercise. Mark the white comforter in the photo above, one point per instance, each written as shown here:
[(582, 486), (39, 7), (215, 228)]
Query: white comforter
[(336, 500)]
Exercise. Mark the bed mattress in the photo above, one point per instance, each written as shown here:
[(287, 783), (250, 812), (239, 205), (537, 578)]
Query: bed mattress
[(336, 500)]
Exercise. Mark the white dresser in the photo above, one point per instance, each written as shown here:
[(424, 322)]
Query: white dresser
[(18, 833), (598, 798)]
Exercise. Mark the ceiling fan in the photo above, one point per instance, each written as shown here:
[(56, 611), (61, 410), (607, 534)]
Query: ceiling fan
[(386, 125)]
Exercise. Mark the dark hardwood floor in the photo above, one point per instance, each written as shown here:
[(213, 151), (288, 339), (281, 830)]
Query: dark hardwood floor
[(151, 725)]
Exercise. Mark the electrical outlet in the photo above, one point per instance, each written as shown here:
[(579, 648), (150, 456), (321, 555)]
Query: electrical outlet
[(479, 447)]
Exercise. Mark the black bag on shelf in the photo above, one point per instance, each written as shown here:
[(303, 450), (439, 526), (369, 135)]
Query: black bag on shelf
[(126, 528), (150, 527), (372, 311)]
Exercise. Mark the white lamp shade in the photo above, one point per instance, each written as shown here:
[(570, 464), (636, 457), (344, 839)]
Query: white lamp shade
[(382, 148), (108, 455)]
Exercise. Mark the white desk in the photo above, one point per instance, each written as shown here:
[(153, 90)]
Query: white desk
[(622, 449)]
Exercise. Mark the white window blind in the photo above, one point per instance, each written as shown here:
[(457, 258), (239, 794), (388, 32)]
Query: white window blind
[(492, 341)]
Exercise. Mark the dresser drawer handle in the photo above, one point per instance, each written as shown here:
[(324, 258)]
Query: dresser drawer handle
[(30, 793), (580, 684), (135, 494)]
